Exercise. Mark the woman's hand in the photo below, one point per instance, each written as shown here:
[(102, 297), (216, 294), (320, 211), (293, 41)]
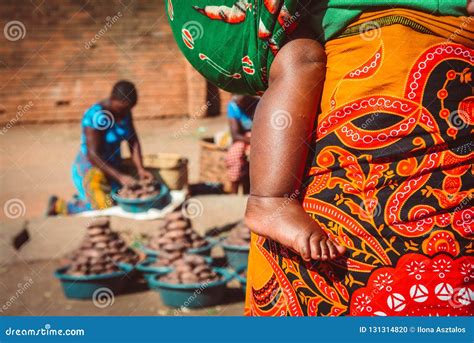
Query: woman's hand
[(126, 180), (285, 221), (145, 174)]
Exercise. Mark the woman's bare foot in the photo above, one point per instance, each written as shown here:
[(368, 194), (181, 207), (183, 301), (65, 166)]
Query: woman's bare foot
[(285, 221)]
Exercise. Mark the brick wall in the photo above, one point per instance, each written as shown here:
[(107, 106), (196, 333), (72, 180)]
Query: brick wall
[(66, 54)]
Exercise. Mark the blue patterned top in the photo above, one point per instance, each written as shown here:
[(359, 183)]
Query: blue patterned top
[(114, 132)]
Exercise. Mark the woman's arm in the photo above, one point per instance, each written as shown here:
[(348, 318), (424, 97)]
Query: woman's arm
[(94, 141), (136, 151), (283, 125)]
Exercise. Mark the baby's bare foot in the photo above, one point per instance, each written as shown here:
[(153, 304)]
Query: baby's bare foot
[(284, 221)]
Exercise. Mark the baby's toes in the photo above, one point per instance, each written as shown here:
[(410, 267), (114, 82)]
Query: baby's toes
[(324, 249), (303, 247), (332, 249), (315, 247)]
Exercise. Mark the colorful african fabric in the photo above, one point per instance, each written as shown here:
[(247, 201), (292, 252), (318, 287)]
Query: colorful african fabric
[(390, 178), (233, 42), (96, 189)]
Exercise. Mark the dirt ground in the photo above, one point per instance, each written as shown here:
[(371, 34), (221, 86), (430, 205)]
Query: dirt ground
[(44, 298), (35, 163), (35, 160)]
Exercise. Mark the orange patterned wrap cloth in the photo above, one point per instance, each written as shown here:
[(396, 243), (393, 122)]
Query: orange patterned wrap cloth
[(390, 178)]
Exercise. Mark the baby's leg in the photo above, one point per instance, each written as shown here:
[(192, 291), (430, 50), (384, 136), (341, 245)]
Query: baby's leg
[(283, 125)]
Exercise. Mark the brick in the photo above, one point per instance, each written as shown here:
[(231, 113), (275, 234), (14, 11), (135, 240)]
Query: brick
[(52, 64)]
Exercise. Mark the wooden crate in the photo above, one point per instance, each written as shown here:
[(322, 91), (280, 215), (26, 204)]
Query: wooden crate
[(172, 169), (212, 166)]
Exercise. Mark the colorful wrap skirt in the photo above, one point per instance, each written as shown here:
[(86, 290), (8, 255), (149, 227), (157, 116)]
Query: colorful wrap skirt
[(93, 187), (390, 177)]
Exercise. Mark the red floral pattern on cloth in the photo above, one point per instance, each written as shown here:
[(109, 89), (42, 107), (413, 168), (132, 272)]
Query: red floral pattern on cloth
[(418, 286)]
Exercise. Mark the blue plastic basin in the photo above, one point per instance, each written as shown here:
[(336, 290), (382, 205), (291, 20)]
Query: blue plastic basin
[(237, 255), (149, 271), (83, 287), (192, 295), (159, 201), (242, 280)]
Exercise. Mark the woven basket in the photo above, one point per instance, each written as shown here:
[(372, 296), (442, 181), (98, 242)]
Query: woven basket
[(212, 164), (172, 169)]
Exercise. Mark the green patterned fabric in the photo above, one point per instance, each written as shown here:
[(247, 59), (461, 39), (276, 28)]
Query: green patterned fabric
[(233, 43)]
